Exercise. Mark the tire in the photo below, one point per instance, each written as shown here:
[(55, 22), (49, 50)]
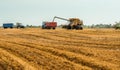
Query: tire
[(22, 27), (68, 27), (53, 28), (11, 27), (79, 27), (5, 27)]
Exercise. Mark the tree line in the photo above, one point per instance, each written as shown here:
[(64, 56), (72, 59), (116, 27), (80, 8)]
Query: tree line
[(116, 25)]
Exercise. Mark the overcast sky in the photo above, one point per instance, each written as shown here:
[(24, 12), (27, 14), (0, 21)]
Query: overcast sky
[(33, 12)]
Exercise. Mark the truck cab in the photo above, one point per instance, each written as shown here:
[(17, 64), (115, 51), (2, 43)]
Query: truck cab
[(19, 25)]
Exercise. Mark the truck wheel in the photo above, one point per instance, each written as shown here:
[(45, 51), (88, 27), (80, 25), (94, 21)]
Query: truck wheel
[(5, 27), (54, 28), (81, 28)]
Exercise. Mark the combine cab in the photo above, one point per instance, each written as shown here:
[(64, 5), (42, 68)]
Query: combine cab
[(49, 25)]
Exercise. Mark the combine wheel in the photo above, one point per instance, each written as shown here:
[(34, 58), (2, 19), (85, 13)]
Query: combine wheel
[(68, 27), (78, 27)]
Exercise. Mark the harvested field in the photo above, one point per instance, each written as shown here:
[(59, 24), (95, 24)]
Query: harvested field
[(60, 49)]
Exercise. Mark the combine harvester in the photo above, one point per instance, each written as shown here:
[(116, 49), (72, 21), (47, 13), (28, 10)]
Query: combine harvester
[(74, 23)]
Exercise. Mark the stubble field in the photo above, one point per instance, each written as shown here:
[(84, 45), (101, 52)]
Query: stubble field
[(60, 49)]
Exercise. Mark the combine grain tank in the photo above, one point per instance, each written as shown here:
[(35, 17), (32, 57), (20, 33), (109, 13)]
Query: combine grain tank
[(49, 25)]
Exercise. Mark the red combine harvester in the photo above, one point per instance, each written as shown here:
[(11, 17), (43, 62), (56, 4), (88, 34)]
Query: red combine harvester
[(49, 25)]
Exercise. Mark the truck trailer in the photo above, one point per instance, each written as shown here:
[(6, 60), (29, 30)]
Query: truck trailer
[(49, 25), (8, 25)]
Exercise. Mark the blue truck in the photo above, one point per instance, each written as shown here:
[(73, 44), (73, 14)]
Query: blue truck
[(8, 25), (11, 25)]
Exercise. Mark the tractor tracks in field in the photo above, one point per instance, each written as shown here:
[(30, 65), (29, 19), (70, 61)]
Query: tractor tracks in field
[(36, 58), (57, 38), (67, 38), (70, 56), (26, 65), (79, 40), (77, 59)]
